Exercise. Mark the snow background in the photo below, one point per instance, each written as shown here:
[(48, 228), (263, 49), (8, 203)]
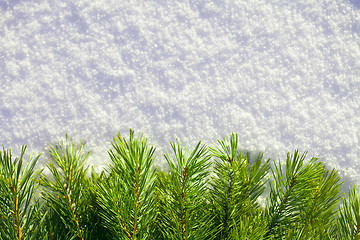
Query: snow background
[(283, 74)]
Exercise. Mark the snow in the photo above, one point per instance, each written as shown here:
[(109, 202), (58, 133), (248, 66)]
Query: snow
[(282, 74)]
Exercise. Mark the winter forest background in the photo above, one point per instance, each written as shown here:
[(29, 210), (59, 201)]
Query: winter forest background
[(283, 74)]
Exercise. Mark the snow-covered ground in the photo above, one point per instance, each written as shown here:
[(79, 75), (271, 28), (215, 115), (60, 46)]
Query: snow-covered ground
[(283, 74)]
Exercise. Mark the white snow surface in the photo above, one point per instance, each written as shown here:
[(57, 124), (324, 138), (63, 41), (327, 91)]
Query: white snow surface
[(282, 74)]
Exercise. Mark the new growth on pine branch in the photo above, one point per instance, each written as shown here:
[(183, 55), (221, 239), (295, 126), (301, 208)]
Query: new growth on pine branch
[(209, 192)]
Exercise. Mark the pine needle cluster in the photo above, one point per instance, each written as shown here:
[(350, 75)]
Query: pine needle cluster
[(209, 192)]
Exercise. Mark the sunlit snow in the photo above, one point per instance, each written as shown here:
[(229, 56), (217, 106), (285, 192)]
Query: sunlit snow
[(283, 74)]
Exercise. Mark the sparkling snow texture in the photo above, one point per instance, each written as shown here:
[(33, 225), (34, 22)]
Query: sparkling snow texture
[(283, 74)]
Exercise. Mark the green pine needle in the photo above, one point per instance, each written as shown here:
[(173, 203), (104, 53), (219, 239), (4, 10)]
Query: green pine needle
[(208, 193)]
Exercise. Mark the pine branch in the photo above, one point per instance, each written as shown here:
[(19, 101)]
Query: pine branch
[(17, 201), (349, 216), (65, 192), (235, 188), (319, 212), (290, 190), (185, 215), (127, 196)]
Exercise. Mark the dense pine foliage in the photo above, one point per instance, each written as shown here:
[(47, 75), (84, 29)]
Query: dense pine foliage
[(210, 192)]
